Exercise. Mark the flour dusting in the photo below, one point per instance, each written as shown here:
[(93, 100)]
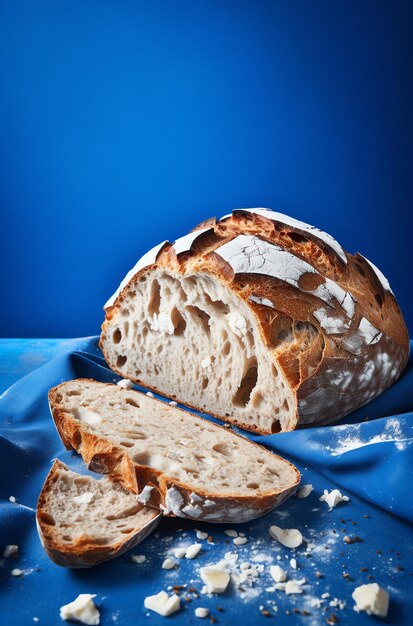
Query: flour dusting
[(392, 433)]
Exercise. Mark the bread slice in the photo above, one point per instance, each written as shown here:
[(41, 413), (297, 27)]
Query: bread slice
[(260, 320), (83, 521), (179, 462)]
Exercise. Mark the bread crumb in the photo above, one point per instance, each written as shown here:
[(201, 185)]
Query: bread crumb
[(288, 537), (125, 383), (201, 535), (10, 550), (192, 551), (333, 498), (240, 541), (138, 558), (355, 539), (179, 552), (163, 604), (372, 599), (17, 572), (305, 491)]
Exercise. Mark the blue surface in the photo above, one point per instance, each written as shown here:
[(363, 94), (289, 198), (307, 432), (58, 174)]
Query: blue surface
[(375, 472), (126, 123)]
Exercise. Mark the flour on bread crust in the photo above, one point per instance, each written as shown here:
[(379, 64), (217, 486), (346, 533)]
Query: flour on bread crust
[(147, 259), (325, 238), (293, 277), (248, 254), (184, 244)]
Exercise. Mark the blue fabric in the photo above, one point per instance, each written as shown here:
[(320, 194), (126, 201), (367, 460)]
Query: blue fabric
[(368, 455)]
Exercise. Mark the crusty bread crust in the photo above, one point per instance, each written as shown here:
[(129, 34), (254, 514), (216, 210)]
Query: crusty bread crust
[(85, 551), (337, 372), (102, 456)]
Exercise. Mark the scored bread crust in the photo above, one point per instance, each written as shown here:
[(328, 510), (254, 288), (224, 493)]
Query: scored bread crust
[(166, 493), (86, 550), (359, 345)]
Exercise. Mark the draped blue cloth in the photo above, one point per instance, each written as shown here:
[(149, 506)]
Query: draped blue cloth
[(368, 455)]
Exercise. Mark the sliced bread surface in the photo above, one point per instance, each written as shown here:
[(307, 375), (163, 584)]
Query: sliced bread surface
[(179, 462), (83, 521)]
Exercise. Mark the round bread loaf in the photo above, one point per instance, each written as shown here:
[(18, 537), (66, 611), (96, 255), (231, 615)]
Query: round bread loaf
[(260, 320)]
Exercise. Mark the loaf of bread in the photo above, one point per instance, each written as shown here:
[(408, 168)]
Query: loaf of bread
[(176, 461), (83, 521), (260, 320)]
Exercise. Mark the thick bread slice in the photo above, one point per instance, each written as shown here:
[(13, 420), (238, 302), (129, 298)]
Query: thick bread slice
[(83, 521), (179, 462), (259, 319)]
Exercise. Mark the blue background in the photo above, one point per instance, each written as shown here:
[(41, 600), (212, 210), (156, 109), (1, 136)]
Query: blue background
[(125, 123)]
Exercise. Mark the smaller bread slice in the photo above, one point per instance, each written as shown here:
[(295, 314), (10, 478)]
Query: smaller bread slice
[(176, 461), (83, 521)]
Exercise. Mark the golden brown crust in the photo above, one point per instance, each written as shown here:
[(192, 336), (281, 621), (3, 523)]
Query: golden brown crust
[(104, 457), (85, 551), (329, 373)]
